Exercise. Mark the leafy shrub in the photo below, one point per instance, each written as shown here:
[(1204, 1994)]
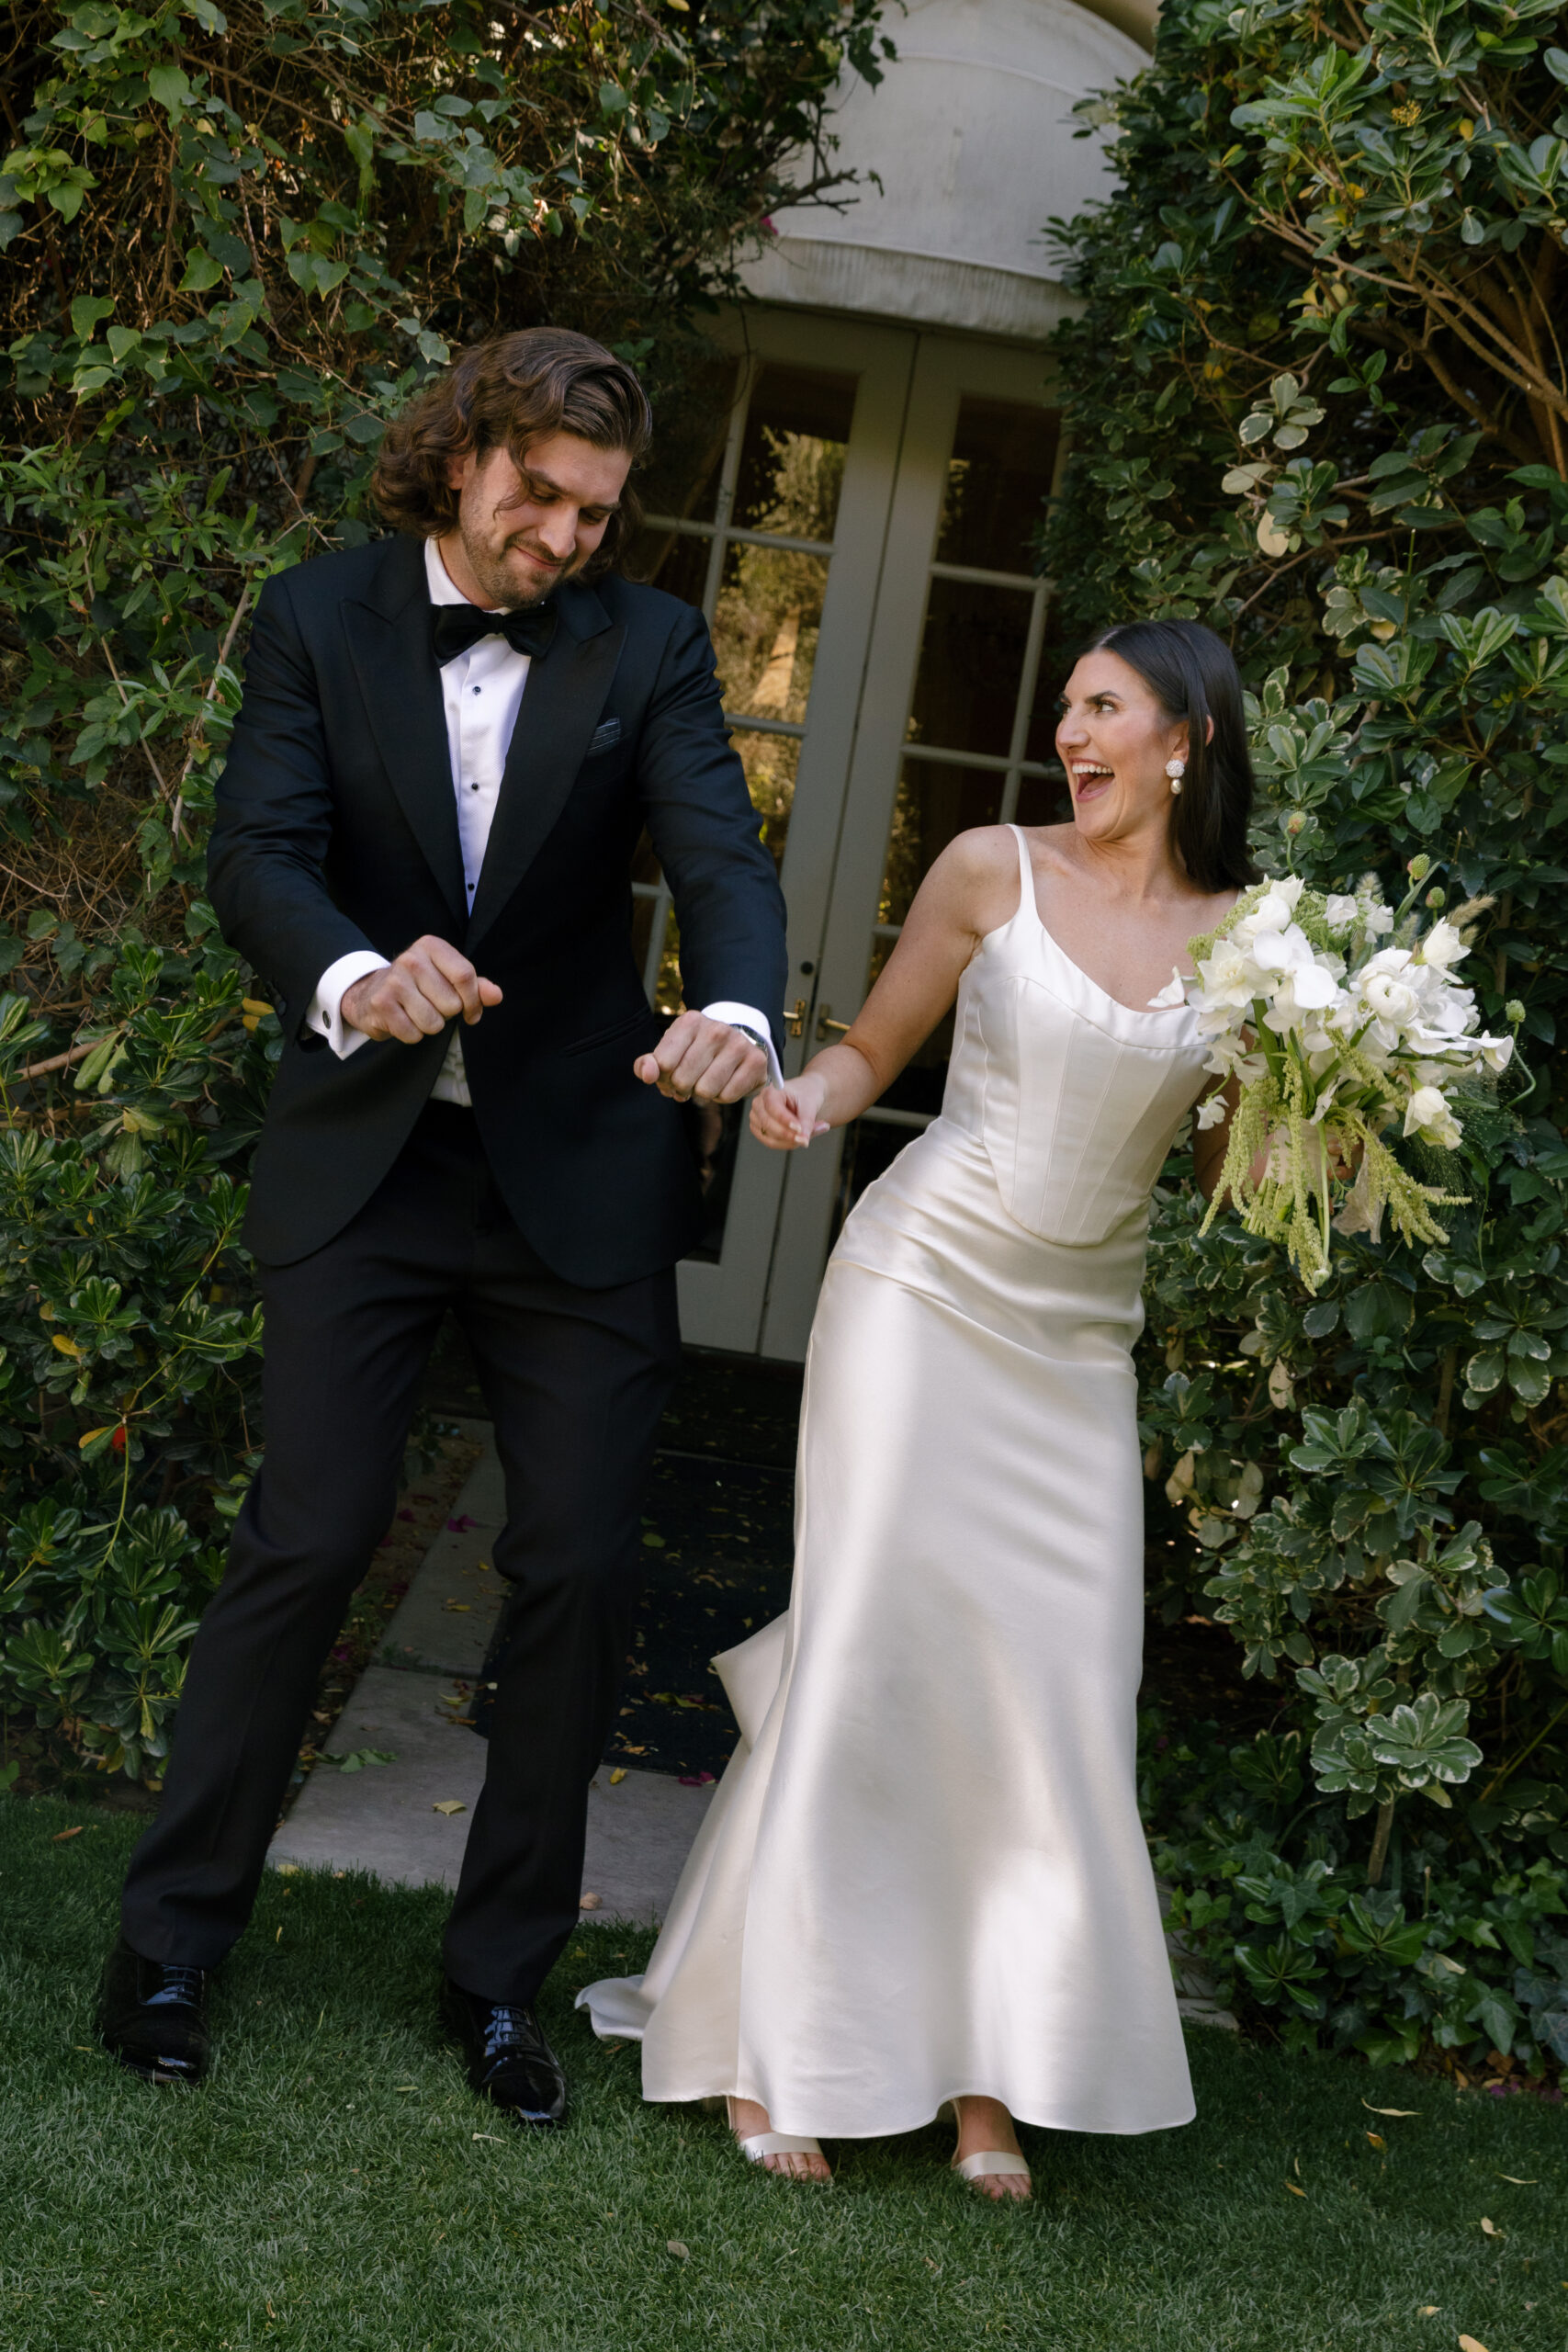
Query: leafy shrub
[(236, 241), (1317, 397)]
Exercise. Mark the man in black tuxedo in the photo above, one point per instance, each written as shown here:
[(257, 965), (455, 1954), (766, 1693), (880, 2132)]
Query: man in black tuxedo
[(449, 745)]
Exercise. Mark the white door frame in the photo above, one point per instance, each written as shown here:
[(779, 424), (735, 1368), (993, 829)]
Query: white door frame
[(722, 1302), (843, 901)]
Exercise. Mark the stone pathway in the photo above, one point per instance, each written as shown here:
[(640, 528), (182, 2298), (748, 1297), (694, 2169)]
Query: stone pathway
[(388, 1817), (408, 1821)]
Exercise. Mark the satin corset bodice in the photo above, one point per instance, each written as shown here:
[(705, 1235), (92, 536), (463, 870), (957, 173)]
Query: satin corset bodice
[(1075, 1096)]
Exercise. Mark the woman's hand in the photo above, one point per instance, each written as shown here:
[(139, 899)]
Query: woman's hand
[(786, 1117)]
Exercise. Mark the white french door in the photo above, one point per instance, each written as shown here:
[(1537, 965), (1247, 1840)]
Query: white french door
[(855, 518)]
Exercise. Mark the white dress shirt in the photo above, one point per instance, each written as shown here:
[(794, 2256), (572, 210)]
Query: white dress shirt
[(481, 691)]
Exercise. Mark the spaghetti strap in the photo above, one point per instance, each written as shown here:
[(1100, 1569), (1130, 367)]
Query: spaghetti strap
[(1026, 875)]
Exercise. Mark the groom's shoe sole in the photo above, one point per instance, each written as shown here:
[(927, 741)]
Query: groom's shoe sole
[(153, 2018)]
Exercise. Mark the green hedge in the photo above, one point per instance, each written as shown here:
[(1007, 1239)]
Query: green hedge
[(1317, 398)]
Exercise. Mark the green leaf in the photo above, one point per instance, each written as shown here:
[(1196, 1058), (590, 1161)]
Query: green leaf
[(200, 271), (170, 87), (87, 311)]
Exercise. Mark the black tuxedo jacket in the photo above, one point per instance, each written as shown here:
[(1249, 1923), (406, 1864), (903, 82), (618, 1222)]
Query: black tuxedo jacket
[(336, 829)]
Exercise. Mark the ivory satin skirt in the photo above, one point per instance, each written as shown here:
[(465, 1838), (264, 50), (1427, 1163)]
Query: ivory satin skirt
[(924, 1873)]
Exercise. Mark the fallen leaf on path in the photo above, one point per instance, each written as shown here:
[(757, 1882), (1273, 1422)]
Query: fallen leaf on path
[(447, 1806), (458, 1607), (591, 1903), (286, 1869), (60, 1835), (1377, 2140), (1389, 2111), (1490, 2227), (1294, 2190), (618, 1776), (682, 2253)]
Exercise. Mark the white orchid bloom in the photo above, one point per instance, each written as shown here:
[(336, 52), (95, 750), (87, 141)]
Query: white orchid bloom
[(1211, 1111), (1427, 1114), (1227, 978), (1173, 993)]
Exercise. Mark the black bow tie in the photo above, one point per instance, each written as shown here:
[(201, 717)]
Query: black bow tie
[(454, 627)]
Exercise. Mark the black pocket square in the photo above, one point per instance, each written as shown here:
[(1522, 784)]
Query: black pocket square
[(604, 738)]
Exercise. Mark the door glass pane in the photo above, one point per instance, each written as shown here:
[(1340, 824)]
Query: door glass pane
[(998, 478), (792, 460), (971, 666), (770, 762), (671, 560), (682, 475), (770, 608), (935, 802)]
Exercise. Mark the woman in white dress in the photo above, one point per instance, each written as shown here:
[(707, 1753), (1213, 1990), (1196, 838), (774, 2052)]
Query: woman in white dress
[(922, 1882)]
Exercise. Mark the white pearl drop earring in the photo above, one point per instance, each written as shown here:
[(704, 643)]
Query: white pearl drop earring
[(1176, 769)]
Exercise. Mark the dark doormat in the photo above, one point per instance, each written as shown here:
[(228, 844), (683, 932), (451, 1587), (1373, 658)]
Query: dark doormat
[(718, 1544)]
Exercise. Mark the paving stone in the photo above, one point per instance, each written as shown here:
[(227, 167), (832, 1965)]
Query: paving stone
[(383, 1818), (444, 1623)]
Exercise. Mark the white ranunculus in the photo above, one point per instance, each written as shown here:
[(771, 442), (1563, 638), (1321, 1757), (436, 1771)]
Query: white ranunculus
[(1427, 1114), (1388, 998)]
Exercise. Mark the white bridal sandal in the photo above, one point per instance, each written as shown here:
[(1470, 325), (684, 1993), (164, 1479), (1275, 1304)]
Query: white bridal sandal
[(986, 2162), (762, 2144)]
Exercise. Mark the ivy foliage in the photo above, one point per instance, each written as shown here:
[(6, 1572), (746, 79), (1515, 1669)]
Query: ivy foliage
[(236, 240), (1317, 398)]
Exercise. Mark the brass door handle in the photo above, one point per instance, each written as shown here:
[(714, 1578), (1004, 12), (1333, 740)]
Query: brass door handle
[(827, 1027), (794, 1021)]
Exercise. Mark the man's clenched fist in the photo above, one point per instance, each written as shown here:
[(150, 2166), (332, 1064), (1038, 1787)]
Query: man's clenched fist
[(705, 1059), (418, 994)]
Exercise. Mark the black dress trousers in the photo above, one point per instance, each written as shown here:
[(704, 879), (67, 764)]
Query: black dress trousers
[(575, 1381)]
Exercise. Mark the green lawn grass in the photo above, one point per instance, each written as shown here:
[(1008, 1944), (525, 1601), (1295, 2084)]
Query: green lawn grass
[(334, 2185)]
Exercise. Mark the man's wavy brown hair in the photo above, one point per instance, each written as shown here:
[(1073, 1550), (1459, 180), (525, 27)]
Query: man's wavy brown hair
[(511, 391)]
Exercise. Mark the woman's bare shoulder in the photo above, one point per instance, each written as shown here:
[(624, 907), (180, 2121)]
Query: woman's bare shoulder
[(977, 873)]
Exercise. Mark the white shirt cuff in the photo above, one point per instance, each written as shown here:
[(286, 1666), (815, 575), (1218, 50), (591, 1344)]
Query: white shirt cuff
[(746, 1016), (325, 1013)]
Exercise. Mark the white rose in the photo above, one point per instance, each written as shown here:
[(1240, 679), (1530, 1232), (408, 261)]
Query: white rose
[(1427, 1114)]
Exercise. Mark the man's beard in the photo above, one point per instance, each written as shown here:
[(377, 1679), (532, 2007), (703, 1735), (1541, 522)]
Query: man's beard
[(499, 585)]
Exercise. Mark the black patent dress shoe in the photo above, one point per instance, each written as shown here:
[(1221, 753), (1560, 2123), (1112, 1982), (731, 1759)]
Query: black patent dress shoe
[(507, 2059), (152, 2017)]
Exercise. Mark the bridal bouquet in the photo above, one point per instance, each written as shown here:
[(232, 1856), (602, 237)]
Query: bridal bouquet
[(1335, 1040)]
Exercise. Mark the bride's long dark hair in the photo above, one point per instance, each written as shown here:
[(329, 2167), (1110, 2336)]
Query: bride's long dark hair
[(1192, 672)]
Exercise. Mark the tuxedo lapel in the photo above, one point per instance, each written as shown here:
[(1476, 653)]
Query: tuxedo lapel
[(388, 640), (560, 708)]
